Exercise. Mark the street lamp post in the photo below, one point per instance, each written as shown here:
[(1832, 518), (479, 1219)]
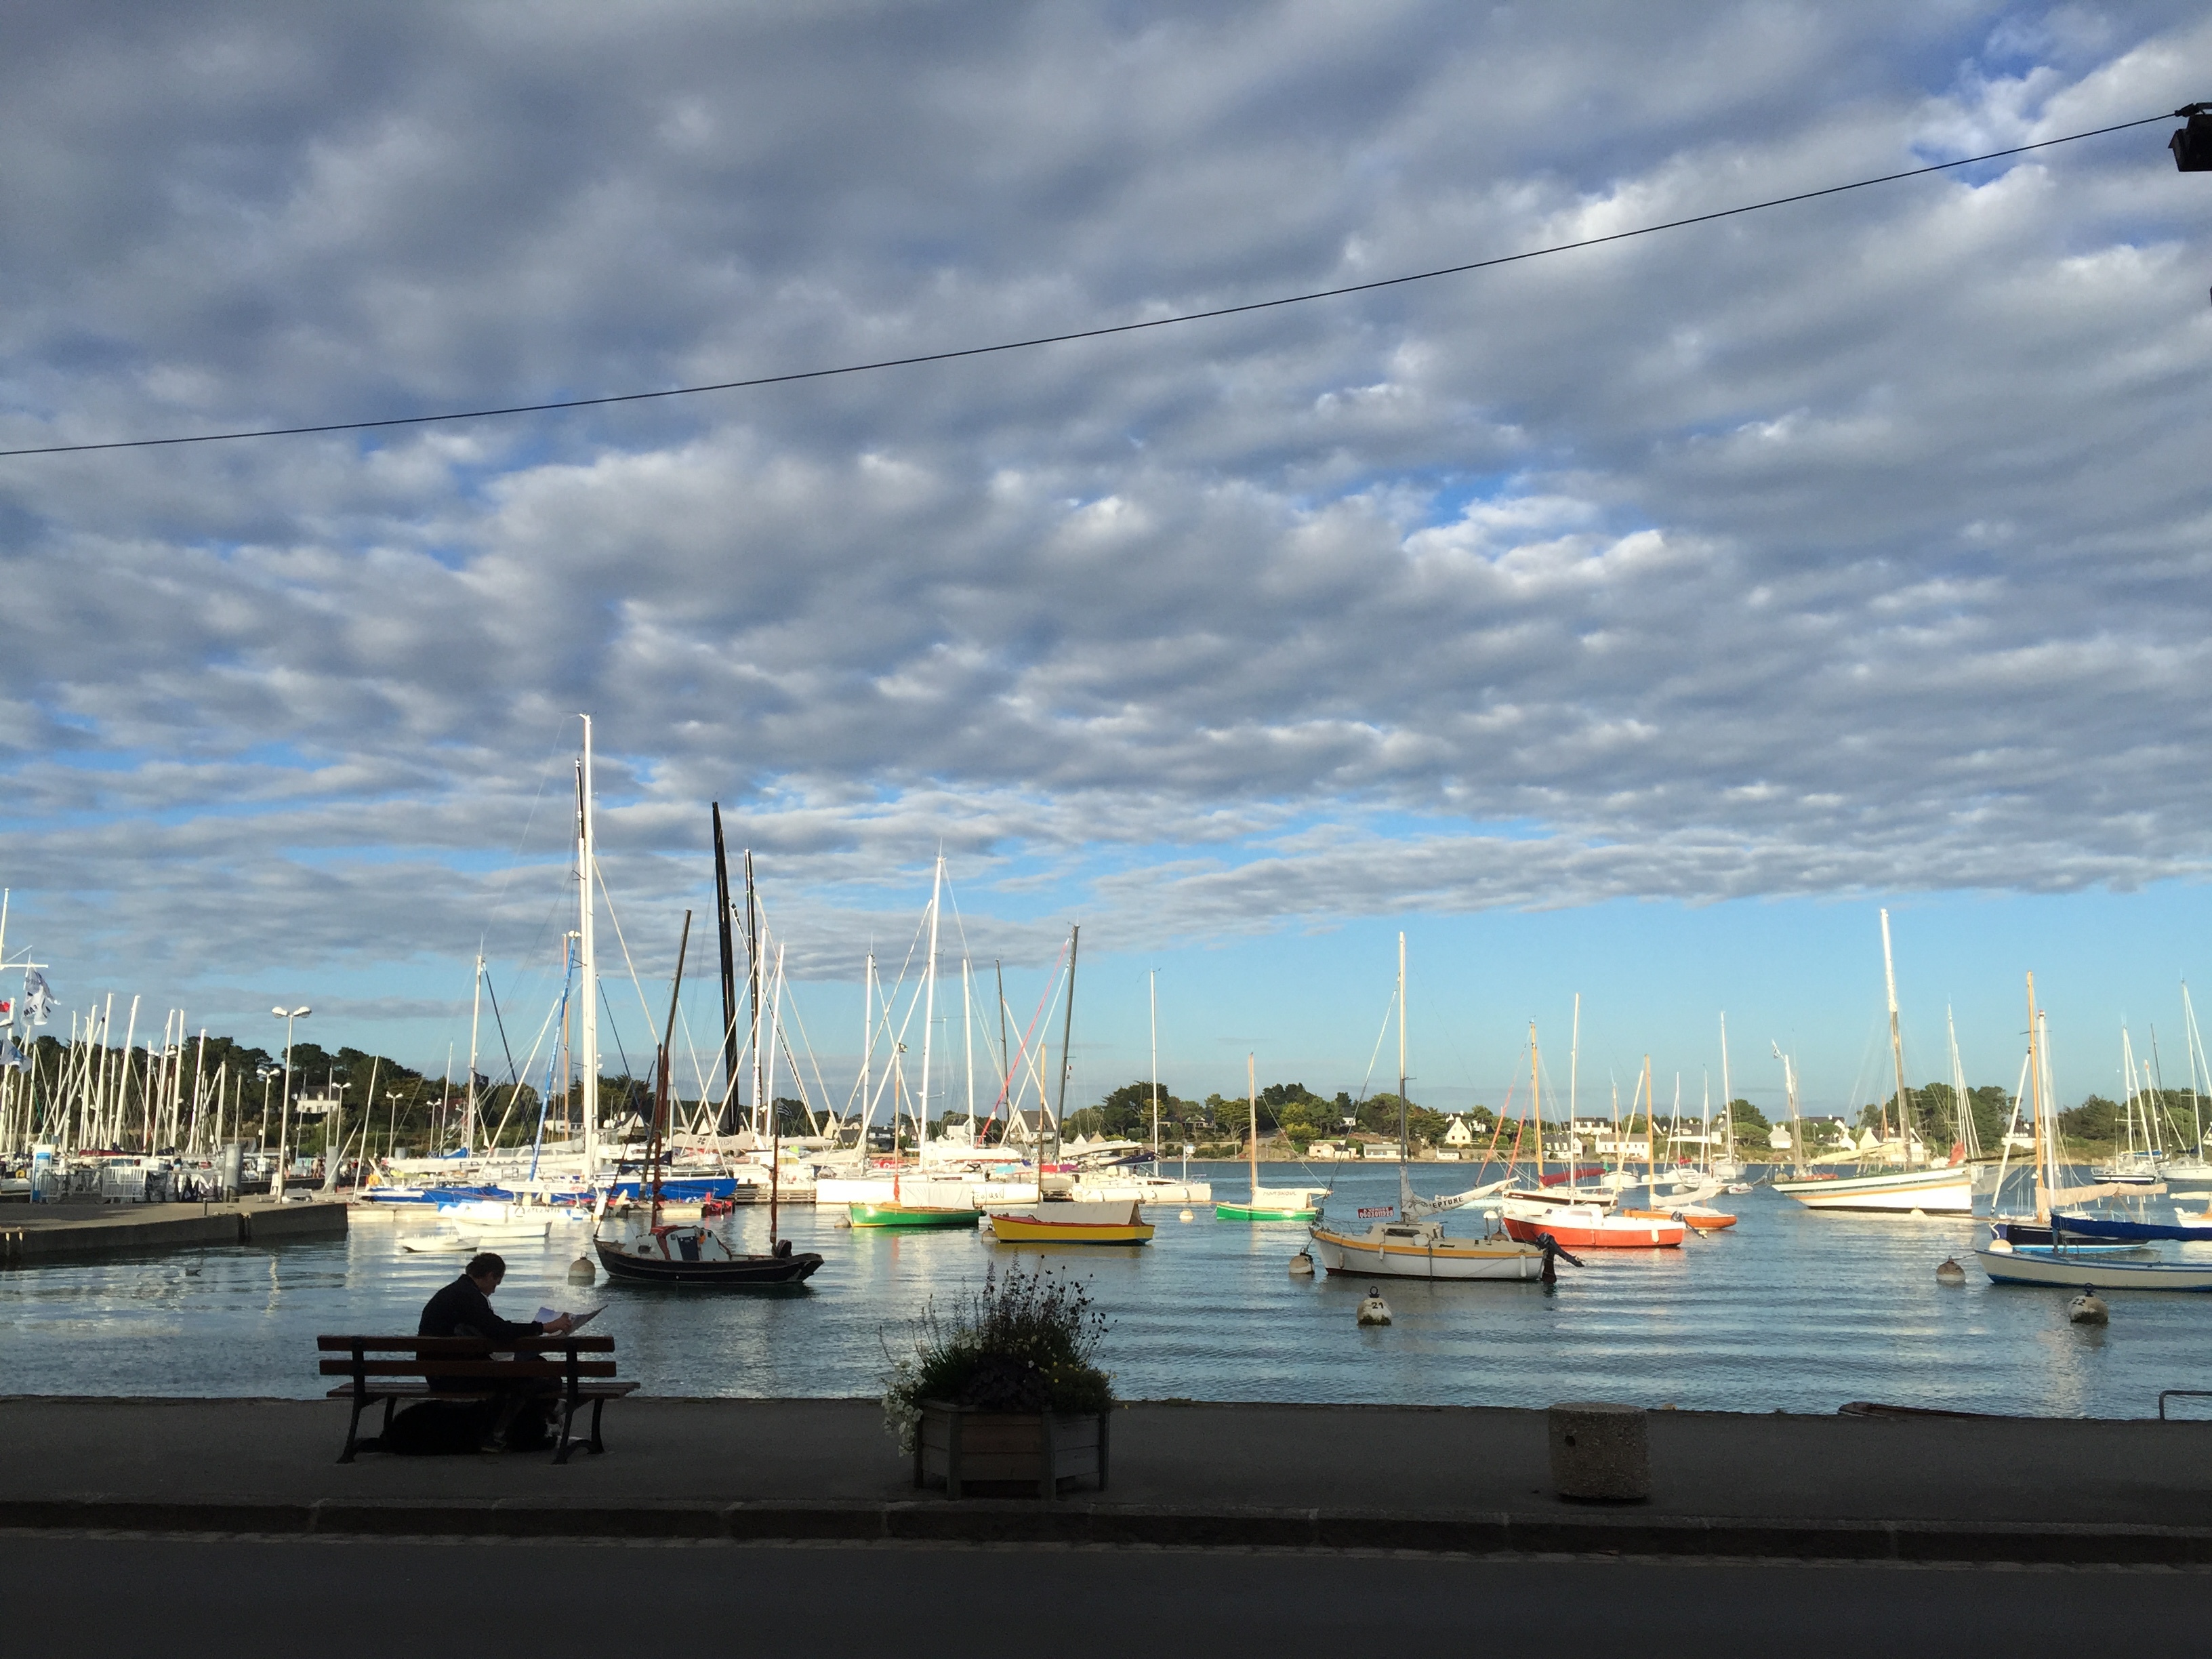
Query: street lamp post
[(284, 1106)]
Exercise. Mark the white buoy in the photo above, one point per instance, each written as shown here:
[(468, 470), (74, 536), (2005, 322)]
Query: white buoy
[(582, 1270), (1920, 1215), (2088, 1307), (1374, 1311), (1302, 1265), (1186, 1215), (1950, 1273)]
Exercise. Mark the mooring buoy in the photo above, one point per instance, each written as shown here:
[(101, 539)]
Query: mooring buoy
[(1374, 1311), (582, 1271), (2088, 1307), (1950, 1273), (1186, 1215), (1302, 1265)]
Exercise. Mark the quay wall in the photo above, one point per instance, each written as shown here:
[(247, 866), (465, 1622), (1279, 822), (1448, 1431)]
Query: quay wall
[(65, 1232)]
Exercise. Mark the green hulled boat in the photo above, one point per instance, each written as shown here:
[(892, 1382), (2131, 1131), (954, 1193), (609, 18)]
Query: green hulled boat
[(1267, 1203), (911, 1217)]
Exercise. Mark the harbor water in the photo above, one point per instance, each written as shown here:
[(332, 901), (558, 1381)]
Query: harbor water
[(1789, 1310)]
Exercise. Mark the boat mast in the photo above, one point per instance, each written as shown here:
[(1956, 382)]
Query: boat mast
[(1650, 1134), (929, 1011), (2035, 1109), (1896, 1045), (775, 1117), (1574, 1070), (2195, 1047), (1536, 1103), (753, 975), (1152, 989), (968, 1041), (475, 1016), (1404, 1149), (660, 1082), (1969, 1138), (587, 962), (1252, 1103), (1068, 1060), (867, 1055), (731, 1091)]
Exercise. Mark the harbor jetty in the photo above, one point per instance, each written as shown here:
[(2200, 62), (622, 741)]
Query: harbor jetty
[(1457, 1480), (32, 1233)]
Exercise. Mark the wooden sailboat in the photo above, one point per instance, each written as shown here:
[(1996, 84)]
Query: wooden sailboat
[(1070, 1223), (1267, 1203), (1414, 1245), (1938, 1189)]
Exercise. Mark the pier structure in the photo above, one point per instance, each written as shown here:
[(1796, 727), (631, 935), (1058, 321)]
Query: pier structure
[(35, 1233)]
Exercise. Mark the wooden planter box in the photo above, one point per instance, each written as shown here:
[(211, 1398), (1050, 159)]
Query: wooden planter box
[(961, 1447)]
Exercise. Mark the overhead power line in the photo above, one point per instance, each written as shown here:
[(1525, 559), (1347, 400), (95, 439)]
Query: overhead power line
[(1100, 332)]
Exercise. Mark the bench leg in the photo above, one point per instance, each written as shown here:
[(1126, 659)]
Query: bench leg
[(597, 1445), (567, 1424), (353, 1432)]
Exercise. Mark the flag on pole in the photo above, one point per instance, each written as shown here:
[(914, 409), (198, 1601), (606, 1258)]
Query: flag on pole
[(38, 998), (11, 1055)]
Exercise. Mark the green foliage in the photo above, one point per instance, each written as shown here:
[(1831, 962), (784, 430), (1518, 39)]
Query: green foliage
[(2096, 1120), (1032, 1327), (1749, 1120)]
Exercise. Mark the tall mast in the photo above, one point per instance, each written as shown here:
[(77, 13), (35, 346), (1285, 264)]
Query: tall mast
[(867, 1056), (1727, 1096), (731, 1090), (1969, 1139), (2196, 1047), (1650, 1134), (660, 1083), (753, 975), (1402, 1110), (1152, 989), (2035, 1107), (475, 1016), (1067, 1050), (967, 1040), (1574, 1068), (1252, 1104), (1536, 1102), (1896, 1044), (587, 966), (928, 1010)]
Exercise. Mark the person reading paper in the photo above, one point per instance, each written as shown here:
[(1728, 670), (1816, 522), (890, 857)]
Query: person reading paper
[(464, 1309)]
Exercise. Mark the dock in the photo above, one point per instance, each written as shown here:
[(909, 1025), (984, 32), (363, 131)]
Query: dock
[(33, 1233)]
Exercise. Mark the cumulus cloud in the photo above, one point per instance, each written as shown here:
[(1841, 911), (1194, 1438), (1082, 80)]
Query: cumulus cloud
[(1858, 544)]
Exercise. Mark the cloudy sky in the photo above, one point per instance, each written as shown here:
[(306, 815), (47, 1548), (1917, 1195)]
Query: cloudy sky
[(1634, 621)]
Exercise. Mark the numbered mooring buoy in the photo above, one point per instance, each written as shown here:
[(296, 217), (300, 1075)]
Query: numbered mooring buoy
[(1302, 1265), (2088, 1307), (1373, 1309), (1950, 1273)]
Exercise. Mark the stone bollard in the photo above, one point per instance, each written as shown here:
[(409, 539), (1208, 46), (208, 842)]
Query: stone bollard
[(1601, 1452)]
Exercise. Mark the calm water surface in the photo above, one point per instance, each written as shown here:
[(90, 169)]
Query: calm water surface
[(1790, 1310)]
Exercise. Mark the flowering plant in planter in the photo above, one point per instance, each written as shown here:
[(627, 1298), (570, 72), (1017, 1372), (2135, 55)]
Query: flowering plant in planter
[(1022, 1345)]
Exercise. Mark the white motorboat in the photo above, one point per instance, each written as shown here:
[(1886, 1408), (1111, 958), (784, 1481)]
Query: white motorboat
[(2061, 1269)]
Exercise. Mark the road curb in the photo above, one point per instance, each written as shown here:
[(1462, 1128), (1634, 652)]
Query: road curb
[(1013, 1521)]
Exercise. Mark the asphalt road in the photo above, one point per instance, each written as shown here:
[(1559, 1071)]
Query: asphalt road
[(75, 1594)]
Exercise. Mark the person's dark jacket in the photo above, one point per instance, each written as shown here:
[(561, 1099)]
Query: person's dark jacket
[(462, 1310)]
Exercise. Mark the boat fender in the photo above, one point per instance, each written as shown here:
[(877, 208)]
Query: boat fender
[(1374, 1311), (2088, 1307), (582, 1270), (1950, 1273), (1302, 1265)]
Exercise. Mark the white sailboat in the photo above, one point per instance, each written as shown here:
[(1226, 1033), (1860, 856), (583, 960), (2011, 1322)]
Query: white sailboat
[(1946, 1190), (1414, 1244)]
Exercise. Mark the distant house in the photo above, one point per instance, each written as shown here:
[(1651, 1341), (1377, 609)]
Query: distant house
[(1778, 1137), (1027, 1128), (1458, 1134)]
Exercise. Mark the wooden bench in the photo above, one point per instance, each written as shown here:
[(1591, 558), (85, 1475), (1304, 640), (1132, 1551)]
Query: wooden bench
[(461, 1369)]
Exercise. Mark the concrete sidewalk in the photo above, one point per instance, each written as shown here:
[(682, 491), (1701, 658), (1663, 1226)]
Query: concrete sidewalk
[(1454, 1480)]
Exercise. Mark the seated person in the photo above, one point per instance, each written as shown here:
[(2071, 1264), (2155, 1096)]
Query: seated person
[(464, 1309)]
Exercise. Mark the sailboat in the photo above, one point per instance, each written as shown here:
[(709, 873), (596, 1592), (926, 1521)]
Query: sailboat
[(691, 1253), (1575, 1221), (1414, 1245), (1935, 1189), (1267, 1203)]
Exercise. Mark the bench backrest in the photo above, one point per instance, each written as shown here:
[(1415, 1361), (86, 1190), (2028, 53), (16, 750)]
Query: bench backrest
[(441, 1359)]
